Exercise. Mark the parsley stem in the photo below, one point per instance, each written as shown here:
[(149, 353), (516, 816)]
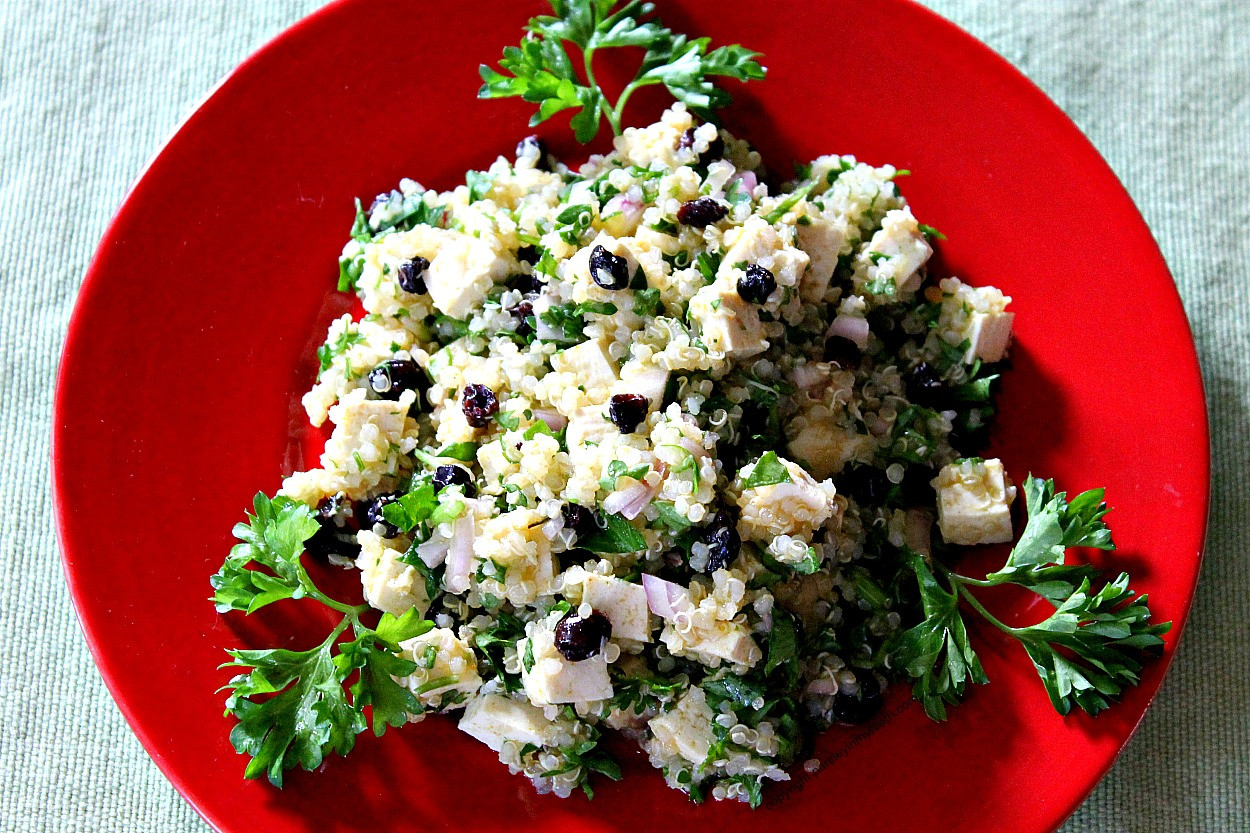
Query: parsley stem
[(975, 582), (614, 116), (348, 610), (957, 580), (311, 591), (342, 626)]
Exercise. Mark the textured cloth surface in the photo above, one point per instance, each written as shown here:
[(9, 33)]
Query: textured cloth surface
[(90, 88)]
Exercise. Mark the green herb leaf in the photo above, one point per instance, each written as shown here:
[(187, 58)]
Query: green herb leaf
[(379, 664), (619, 535), (646, 302), (272, 539), (740, 691), (570, 319), (937, 653), (540, 71), (708, 263), (480, 183), (307, 717), (1055, 524), (670, 517), (617, 470), (783, 648), (466, 452), (412, 509), (790, 201), (768, 470)]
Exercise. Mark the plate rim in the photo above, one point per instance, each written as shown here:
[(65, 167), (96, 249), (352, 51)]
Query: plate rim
[(92, 278)]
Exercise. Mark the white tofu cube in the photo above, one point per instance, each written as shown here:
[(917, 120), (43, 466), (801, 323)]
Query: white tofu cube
[(461, 274), (974, 502), (494, 720), (553, 679), (899, 249), (514, 542), (826, 447), (727, 324), (586, 429), (589, 363), (796, 508), (440, 655), (685, 731), (728, 641), (388, 583), (757, 242), (822, 240), (989, 334), (623, 602), (644, 378), (353, 413)]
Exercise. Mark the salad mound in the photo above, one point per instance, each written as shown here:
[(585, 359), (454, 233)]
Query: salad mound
[(650, 446)]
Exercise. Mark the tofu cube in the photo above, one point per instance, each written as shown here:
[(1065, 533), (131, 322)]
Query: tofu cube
[(727, 324), (757, 241), (822, 239), (974, 502), (494, 720), (826, 447), (728, 641), (797, 507), (586, 429), (900, 249), (353, 413), (514, 542), (461, 274), (989, 334), (685, 731), (623, 602), (589, 362), (389, 584), (440, 654), (647, 379), (553, 679)]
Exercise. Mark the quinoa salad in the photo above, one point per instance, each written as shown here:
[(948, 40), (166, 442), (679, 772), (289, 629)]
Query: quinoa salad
[(651, 446), (632, 390)]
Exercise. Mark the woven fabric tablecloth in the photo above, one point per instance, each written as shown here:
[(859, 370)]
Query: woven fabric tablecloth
[(90, 88)]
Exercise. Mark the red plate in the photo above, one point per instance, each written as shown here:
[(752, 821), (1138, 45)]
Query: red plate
[(193, 337)]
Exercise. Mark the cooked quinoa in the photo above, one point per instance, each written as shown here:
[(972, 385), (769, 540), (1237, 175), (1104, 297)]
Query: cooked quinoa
[(645, 440)]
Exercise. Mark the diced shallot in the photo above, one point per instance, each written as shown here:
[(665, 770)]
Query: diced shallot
[(748, 180), (628, 204), (851, 328), (699, 452), (460, 555), (554, 420), (823, 685), (631, 500), (917, 528), (433, 552), (553, 527), (665, 598), (810, 375)]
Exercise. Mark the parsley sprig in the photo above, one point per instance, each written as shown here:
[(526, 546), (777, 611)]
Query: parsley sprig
[(541, 71), (1086, 652), (292, 706)]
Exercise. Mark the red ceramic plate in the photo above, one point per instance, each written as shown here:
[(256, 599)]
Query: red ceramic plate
[(193, 337)]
